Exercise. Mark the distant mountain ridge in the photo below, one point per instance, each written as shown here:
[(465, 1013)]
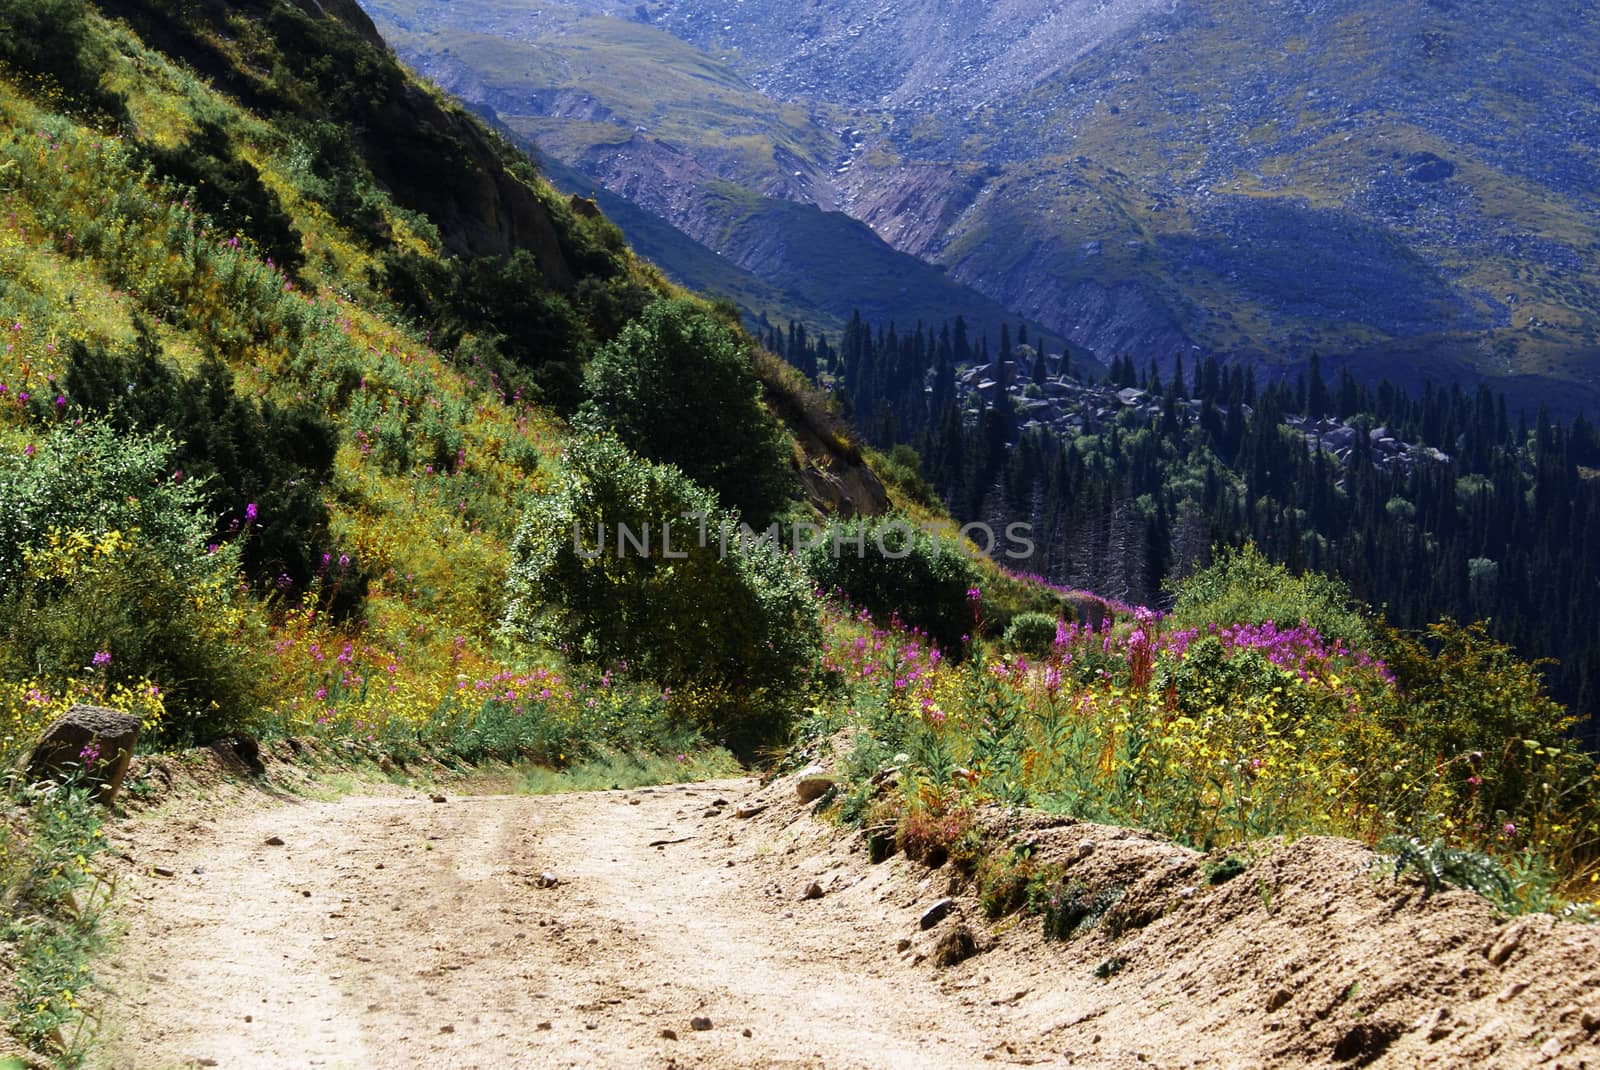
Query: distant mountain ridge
[(1409, 187), (585, 93)]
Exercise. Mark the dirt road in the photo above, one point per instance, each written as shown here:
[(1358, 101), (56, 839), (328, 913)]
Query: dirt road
[(400, 932), (592, 930)]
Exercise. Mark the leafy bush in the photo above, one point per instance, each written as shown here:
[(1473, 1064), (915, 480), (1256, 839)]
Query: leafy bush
[(50, 39), (1004, 880), (1030, 633), (104, 563), (90, 479), (901, 469), (730, 626), (261, 469), (1500, 743), (891, 568), (1245, 587), (676, 387)]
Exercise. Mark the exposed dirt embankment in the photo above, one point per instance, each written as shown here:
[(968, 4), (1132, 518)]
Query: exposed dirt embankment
[(601, 929)]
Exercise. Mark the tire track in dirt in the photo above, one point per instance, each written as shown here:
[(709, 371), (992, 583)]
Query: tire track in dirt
[(398, 932)]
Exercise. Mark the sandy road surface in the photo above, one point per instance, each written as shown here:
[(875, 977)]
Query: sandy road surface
[(391, 931), (399, 932)]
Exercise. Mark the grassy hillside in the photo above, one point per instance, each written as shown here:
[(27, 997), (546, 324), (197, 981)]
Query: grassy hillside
[(134, 232)]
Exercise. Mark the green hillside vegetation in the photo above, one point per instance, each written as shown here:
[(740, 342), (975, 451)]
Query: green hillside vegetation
[(351, 427), (312, 389)]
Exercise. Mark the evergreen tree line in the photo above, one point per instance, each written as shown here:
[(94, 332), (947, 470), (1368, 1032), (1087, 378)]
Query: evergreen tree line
[(1502, 523)]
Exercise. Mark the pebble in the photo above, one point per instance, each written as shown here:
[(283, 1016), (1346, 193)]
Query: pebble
[(438, 798), (812, 788), (274, 841), (699, 1023), (669, 1034), (813, 891), (936, 913), (1506, 943), (956, 945)]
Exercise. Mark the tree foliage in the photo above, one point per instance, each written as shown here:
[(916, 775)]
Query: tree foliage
[(675, 386), (613, 569), (893, 569)]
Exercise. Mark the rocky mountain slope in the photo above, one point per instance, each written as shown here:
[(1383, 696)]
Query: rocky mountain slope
[(1406, 186), (742, 182)]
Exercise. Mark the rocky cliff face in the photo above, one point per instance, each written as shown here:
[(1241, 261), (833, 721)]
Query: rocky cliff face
[(1345, 176)]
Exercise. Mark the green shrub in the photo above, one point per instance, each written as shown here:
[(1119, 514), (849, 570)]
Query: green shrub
[(901, 469), (891, 568), (676, 387), (1030, 633), (1501, 743), (1004, 880), (731, 626), (88, 478), (261, 469), (103, 552), (51, 40), (1244, 587)]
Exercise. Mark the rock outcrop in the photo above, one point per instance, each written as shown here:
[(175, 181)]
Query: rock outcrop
[(90, 740)]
